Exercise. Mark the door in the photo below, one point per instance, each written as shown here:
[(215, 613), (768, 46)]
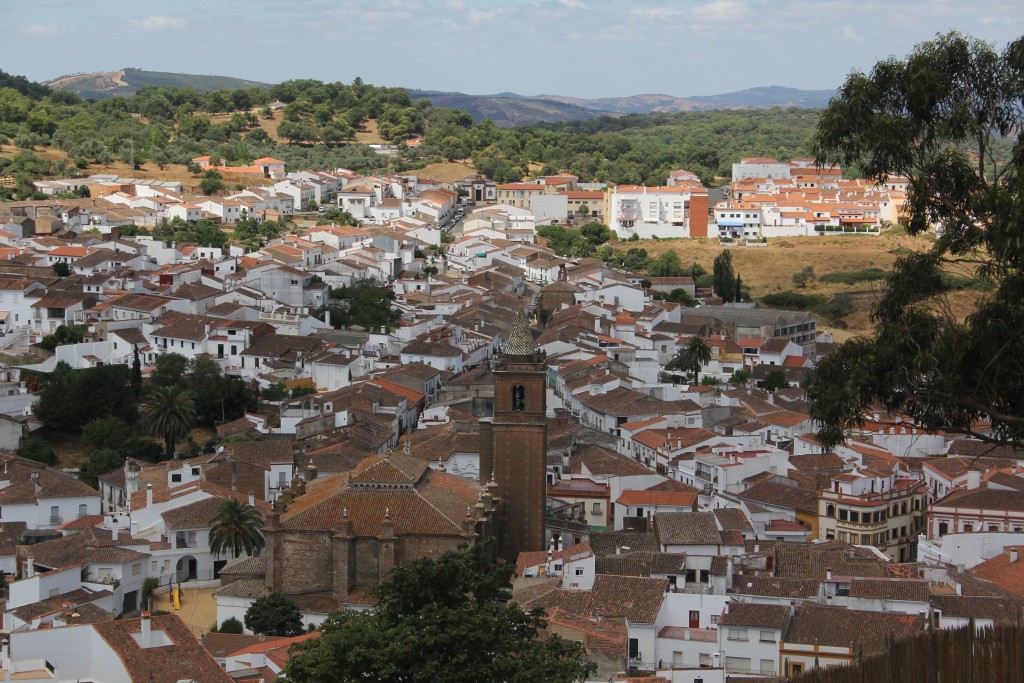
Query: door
[(131, 602), (694, 618)]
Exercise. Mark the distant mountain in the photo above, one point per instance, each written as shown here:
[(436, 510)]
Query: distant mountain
[(752, 98), (127, 82), (509, 109)]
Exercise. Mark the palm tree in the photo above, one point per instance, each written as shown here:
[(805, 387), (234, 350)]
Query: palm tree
[(697, 354), (236, 527), (168, 412)]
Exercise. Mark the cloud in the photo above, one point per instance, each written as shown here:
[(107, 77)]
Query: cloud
[(850, 35), (40, 30), (455, 5), (720, 11), (158, 23), (483, 16), (574, 4), (657, 12)]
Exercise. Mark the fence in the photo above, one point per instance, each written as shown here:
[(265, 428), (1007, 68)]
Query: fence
[(966, 655)]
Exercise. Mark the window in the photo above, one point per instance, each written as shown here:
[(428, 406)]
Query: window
[(830, 510), (844, 515), (738, 634), (737, 665), (768, 666), (854, 516), (705, 660), (518, 398), (579, 571), (596, 509), (195, 471), (767, 636), (83, 510), (175, 478)]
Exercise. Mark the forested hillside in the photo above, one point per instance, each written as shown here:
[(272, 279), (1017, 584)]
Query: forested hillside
[(324, 125)]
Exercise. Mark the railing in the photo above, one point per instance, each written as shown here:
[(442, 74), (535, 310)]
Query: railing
[(56, 519)]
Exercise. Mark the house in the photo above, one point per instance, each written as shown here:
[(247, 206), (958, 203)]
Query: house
[(749, 635), (40, 497), (158, 649)]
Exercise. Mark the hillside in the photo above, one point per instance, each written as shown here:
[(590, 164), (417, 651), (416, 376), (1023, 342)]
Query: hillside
[(126, 82), (511, 109), (508, 109)]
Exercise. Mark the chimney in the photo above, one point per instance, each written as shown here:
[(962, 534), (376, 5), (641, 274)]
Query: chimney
[(149, 495), (234, 475), (828, 574), (113, 529), (146, 635), (973, 479), (252, 499), (1013, 553), (30, 566)]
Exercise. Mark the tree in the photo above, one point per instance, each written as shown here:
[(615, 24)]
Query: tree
[(365, 303), (231, 625), (64, 335), (169, 413), (136, 372), (71, 398), (691, 358), (274, 615), (776, 379), (739, 377), (238, 528), (440, 619), (948, 117), (61, 269), (106, 432), (34, 448), (724, 276), (169, 370), (803, 276), (666, 265), (212, 182)]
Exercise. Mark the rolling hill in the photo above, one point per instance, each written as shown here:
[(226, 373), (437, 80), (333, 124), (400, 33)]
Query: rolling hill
[(126, 82), (510, 109)]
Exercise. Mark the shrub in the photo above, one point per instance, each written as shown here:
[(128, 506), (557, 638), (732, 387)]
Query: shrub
[(853, 277), (231, 625), (792, 301)]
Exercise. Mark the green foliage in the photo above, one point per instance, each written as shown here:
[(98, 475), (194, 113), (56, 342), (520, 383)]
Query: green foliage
[(739, 377), (634, 259), (274, 392), (203, 232), (218, 398), (34, 448), (724, 278), (71, 398), (256, 234), (274, 615), (666, 265), (692, 357), (576, 243), (149, 584), (100, 461), (106, 432), (853, 277), (365, 304), (61, 269), (840, 306), (793, 301), (64, 335), (776, 379), (168, 412), (237, 528), (944, 117), (231, 625), (709, 381), (143, 449), (440, 619), (212, 182), (169, 370)]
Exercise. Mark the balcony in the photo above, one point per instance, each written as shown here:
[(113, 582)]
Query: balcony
[(55, 520)]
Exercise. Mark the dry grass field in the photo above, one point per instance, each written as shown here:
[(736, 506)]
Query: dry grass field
[(446, 171), (770, 269)]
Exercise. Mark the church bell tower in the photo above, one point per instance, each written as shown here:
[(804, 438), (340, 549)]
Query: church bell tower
[(518, 443)]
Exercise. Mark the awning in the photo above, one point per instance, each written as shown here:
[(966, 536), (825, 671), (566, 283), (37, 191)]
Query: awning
[(730, 224)]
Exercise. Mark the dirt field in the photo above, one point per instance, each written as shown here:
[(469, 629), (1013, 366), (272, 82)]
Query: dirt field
[(446, 171), (766, 270)]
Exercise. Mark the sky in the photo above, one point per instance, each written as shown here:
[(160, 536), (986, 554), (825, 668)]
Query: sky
[(577, 48)]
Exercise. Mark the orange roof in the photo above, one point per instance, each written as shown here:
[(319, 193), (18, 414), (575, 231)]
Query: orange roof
[(267, 160), (677, 498), (396, 388), (69, 251)]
